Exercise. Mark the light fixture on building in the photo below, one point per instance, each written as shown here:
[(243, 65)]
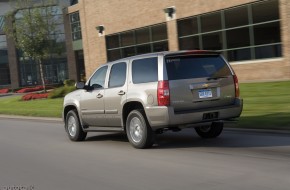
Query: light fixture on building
[(101, 30), (170, 13)]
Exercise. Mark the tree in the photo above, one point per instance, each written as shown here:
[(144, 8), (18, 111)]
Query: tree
[(34, 31)]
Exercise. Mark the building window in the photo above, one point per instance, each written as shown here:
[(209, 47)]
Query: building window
[(4, 65), (138, 41), (75, 26), (250, 31), (55, 66), (73, 2)]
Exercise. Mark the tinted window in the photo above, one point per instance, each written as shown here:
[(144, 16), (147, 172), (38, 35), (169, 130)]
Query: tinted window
[(137, 41), (187, 26), (114, 54), (118, 75), (211, 22), (212, 41), (239, 54), (196, 67), (236, 17), (268, 51), (265, 11), (98, 79), (142, 36), (145, 70), (267, 33), (242, 40), (112, 41), (159, 32), (189, 43), (127, 38)]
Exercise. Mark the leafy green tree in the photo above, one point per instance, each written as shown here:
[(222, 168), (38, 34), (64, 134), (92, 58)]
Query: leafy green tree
[(34, 30)]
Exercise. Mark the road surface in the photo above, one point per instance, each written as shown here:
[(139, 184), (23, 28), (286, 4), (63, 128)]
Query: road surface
[(38, 155)]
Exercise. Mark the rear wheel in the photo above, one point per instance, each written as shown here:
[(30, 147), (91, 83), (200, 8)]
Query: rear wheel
[(212, 131), (138, 130), (73, 127)]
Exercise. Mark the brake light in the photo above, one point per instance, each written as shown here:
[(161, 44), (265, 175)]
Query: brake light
[(237, 89), (163, 94)]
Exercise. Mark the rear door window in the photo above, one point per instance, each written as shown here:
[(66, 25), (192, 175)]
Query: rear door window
[(187, 67), (118, 75), (145, 70)]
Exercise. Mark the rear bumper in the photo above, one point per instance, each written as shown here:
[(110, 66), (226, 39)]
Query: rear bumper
[(162, 116)]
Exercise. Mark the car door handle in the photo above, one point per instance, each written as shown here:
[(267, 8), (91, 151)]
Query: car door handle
[(99, 96), (121, 92)]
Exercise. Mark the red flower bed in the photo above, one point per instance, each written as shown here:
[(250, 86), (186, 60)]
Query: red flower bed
[(30, 89), (4, 91), (33, 96)]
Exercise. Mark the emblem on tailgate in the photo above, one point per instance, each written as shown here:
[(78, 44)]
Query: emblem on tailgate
[(205, 85)]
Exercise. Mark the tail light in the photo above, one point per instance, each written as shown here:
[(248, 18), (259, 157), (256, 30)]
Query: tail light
[(163, 94), (237, 88)]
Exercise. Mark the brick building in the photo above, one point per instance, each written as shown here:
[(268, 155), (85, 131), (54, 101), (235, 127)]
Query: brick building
[(252, 34)]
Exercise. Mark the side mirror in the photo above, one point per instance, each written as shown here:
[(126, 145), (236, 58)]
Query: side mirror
[(80, 85), (97, 86)]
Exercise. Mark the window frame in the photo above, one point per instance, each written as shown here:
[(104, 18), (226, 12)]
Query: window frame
[(105, 81), (75, 24), (119, 47), (132, 72), (110, 74), (225, 39)]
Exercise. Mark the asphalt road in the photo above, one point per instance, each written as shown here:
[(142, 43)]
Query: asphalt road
[(39, 154)]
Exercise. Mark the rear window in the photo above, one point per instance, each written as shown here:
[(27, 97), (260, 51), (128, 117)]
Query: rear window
[(145, 70), (196, 67)]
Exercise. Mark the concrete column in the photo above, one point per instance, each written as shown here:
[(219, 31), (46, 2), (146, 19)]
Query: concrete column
[(71, 59), (284, 6), (172, 35), (12, 59)]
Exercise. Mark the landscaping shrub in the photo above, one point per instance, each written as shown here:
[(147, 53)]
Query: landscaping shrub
[(69, 82), (61, 91), (4, 91), (30, 89), (33, 96)]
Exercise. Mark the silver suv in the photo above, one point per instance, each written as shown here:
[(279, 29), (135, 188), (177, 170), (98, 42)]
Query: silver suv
[(148, 94)]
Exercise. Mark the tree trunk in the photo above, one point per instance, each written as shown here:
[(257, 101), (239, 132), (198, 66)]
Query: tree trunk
[(41, 74)]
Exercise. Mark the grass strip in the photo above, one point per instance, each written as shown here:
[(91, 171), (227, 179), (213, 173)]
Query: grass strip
[(266, 105), (37, 108)]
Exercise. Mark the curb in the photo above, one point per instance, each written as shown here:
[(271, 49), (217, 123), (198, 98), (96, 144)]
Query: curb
[(247, 130), (59, 120), (31, 118)]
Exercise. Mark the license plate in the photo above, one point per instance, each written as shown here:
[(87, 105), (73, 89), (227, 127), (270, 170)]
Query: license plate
[(205, 93), (212, 115)]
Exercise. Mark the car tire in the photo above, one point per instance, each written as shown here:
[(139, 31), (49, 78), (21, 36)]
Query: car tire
[(138, 130), (73, 127), (212, 131)]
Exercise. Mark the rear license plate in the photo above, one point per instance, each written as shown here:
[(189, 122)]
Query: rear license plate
[(209, 116), (205, 93)]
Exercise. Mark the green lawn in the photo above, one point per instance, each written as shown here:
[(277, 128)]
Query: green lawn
[(266, 105), (39, 108)]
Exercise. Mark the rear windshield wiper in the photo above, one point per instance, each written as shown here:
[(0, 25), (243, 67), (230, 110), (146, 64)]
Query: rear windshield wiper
[(215, 78)]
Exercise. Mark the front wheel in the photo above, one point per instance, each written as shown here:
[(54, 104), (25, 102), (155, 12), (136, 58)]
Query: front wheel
[(212, 131), (138, 130), (73, 127)]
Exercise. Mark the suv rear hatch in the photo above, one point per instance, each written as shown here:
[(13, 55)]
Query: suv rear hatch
[(199, 81)]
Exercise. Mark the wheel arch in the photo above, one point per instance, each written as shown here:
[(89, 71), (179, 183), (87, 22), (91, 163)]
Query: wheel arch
[(70, 107), (128, 107)]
